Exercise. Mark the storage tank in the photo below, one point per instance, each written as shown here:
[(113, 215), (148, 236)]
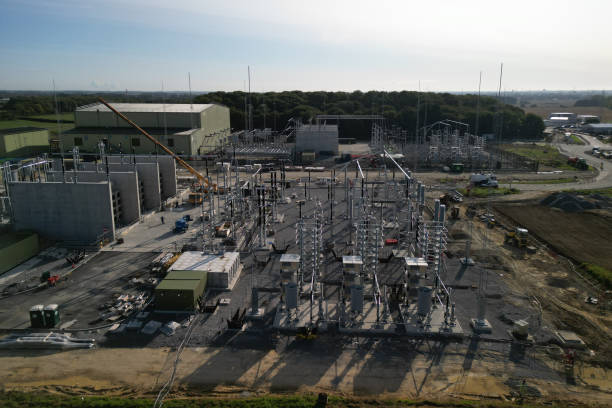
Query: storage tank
[(37, 317), (291, 295), (424, 300)]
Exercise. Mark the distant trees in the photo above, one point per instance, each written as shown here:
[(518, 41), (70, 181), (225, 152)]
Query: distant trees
[(595, 100), (399, 108)]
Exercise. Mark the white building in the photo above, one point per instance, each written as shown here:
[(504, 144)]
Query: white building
[(222, 271)]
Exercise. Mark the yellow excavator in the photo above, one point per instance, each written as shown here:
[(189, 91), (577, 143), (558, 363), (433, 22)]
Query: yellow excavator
[(203, 186), (518, 238)]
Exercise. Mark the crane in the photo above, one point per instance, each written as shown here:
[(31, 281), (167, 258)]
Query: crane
[(182, 162)]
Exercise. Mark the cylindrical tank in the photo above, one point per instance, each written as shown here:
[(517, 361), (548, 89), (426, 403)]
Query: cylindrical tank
[(357, 298), (291, 295), (422, 194), (436, 210), (424, 301)]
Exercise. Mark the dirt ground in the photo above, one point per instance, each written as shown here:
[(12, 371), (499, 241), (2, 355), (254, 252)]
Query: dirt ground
[(547, 278), (227, 372), (582, 236)]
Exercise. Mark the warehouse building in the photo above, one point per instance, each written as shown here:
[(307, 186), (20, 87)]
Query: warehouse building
[(222, 270), (321, 139), (187, 129), (598, 128), (23, 142)]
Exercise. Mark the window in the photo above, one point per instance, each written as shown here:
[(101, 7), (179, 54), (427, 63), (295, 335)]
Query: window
[(170, 142), (135, 141), (78, 141)]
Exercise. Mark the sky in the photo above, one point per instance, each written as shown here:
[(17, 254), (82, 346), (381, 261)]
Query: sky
[(432, 45)]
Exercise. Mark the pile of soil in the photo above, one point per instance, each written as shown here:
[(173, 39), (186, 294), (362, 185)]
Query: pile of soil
[(570, 202)]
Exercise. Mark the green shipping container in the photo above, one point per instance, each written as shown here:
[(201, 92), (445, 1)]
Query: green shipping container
[(37, 317), (52, 316)]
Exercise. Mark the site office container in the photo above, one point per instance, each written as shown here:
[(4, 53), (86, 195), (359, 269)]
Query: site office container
[(52, 316), (180, 290), (37, 317)]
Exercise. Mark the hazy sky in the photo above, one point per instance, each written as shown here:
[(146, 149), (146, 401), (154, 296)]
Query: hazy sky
[(307, 45)]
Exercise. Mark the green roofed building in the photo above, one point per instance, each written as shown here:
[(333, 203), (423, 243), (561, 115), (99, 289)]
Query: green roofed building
[(180, 290), (23, 142), (186, 129)]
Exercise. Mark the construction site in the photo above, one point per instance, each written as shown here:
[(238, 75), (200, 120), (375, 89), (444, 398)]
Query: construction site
[(280, 261)]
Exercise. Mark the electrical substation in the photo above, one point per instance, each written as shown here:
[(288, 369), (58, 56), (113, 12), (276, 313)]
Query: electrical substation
[(264, 238)]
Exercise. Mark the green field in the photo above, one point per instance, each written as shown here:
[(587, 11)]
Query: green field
[(65, 117), (19, 400), (52, 127), (603, 275), (547, 155)]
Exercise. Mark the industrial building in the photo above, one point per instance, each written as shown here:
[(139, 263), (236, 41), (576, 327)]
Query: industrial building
[(598, 128), (319, 138), (586, 119), (187, 129), (88, 203), (23, 142)]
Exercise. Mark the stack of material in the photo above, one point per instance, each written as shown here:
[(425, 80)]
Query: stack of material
[(570, 202), (125, 305), (51, 340)]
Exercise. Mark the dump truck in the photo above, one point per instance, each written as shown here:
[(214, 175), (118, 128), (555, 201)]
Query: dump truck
[(578, 162), (518, 238)]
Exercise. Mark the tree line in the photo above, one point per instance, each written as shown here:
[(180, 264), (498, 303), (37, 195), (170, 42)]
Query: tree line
[(274, 109), (595, 100)]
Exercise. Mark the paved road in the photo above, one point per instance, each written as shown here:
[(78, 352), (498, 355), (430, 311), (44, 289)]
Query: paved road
[(603, 179)]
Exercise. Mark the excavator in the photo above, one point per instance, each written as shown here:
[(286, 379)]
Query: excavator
[(203, 185), (518, 238)]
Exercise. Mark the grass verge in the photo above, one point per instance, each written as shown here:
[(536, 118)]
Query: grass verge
[(576, 140), (35, 400), (603, 275), (552, 181), (601, 191), (488, 192)]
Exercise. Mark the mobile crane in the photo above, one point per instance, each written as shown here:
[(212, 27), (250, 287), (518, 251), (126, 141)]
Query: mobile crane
[(204, 184)]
